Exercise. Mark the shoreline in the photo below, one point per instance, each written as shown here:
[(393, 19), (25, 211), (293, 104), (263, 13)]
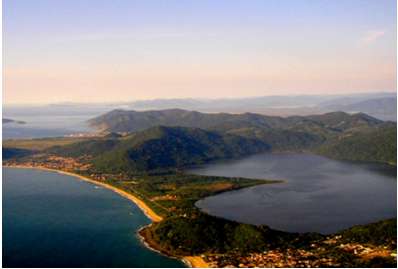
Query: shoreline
[(191, 261), (141, 205)]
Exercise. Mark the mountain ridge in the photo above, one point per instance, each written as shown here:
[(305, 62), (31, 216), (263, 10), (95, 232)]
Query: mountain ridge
[(326, 134), (130, 120), (161, 148)]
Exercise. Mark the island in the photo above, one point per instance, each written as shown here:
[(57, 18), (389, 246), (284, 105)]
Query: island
[(5, 121)]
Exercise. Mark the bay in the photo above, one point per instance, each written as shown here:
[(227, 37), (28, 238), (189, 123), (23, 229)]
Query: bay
[(55, 220)]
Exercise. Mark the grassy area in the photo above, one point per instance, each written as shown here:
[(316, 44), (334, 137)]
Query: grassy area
[(176, 194)]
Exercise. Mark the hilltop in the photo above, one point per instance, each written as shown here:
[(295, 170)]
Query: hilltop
[(161, 148), (377, 144), (381, 108), (131, 121), (328, 134)]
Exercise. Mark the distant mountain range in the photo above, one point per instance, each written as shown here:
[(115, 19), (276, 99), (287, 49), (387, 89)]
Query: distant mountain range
[(267, 105), (382, 108), (370, 103)]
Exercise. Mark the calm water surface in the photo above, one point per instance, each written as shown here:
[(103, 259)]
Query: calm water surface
[(320, 195), (45, 126), (54, 220)]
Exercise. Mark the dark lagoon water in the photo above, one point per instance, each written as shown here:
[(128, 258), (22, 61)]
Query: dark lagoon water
[(319, 195), (54, 220)]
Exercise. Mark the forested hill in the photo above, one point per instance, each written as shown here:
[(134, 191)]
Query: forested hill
[(161, 148), (131, 121), (377, 144), (290, 133), (337, 134)]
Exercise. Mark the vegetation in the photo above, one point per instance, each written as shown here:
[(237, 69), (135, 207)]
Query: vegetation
[(375, 145), (282, 140), (176, 194), (337, 134), (206, 234), (132, 121), (382, 232), (183, 235), (192, 236), (161, 149), (40, 143)]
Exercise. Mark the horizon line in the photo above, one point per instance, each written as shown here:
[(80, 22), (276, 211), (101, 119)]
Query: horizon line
[(195, 98)]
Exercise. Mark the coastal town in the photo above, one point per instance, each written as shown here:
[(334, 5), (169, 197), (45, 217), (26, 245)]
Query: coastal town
[(314, 257), (67, 164)]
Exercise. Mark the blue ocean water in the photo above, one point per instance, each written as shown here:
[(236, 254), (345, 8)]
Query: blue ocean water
[(54, 220)]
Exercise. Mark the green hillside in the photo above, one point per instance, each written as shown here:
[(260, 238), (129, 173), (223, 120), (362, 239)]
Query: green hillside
[(282, 140), (376, 144), (290, 133), (160, 149), (131, 121), (336, 134)]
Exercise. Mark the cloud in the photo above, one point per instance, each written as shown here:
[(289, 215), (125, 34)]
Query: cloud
[(372, 36)]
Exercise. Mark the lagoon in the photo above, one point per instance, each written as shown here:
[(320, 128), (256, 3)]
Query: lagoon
[(318, 195)]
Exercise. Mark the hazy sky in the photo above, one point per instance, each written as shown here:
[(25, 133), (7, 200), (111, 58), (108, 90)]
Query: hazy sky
[(120, 50)]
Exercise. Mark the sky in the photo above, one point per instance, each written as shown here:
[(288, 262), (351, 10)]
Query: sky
[(125, 50)]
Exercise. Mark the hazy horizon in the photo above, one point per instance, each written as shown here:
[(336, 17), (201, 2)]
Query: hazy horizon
[(124, 51), (332, 95)]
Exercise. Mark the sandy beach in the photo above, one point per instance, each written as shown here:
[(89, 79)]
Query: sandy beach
[(195, 261), (147, 210), (192, 261)]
